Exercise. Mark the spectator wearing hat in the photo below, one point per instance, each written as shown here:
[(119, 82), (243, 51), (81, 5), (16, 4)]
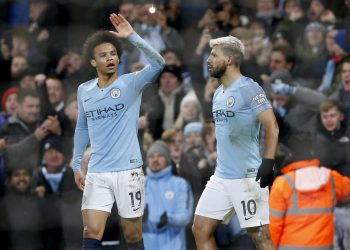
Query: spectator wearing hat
[(341, 52), (172, 57), (164, 107), (328, 73), (169, 203), (9, 104), (54, 182), (22, 222), (190, 110)]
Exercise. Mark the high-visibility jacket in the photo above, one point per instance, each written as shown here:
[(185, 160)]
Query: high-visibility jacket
[(302, 201)]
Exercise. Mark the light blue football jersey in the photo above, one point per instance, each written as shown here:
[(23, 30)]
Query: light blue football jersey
[(108, 118), (237, 129)]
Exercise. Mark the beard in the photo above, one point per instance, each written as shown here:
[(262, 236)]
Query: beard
[(219, 71)]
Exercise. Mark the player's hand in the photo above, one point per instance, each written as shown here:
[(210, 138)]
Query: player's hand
[(266, 172), (121, 25), (79, 180), (143, 121), (163, 220)]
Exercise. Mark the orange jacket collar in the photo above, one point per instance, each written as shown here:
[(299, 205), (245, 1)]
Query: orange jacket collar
[(300, 164)]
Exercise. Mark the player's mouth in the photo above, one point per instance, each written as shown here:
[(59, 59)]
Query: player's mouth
[(111, 65)]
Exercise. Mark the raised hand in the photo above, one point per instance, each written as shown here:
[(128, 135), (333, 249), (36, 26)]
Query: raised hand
[(122, 26)]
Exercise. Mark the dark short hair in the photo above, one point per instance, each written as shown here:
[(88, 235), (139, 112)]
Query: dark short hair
[(23, 93), (288, 53), (94, 40)]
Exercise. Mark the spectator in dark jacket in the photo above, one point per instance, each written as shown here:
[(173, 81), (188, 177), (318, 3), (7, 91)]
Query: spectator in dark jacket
[(54, 182), (22, 223)]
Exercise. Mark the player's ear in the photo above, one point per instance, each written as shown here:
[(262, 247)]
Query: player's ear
[(231, 60), (93, 63)]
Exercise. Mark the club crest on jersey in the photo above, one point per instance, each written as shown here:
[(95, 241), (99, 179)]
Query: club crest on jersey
[(115, 93), (230, 101), (169, 195)]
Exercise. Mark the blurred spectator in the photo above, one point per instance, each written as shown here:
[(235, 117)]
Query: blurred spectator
[(172, 57), (200, 169), (330, 67), (249, 65), (318, 11), (9, 104), (280, 58), (47, 40), (282, 38), (296, 110), (190, 110), (164, 107), (26, 79), (24, 133), (156, 31), (332, 138), (341, 49), (174, 140), (209, 29), (55, 92), (54, 182), (129, 11), (173, 13), (169, 203), (209, 140), (312, 55), (22, 222), (342, 94), (18, 64), (266, 11), (71, 109), (261, 42), (302, 201), (71, 70), (209, 90)]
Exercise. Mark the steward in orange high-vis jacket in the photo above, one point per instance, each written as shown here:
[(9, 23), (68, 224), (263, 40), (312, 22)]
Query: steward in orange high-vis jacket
[(302, 201)]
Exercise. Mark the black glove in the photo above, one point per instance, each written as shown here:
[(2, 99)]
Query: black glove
[(266, 172), (145, 214), (163, 220)]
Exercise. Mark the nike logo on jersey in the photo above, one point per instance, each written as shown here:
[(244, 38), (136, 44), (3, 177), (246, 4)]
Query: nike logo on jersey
[(248, 218), (87, 99)]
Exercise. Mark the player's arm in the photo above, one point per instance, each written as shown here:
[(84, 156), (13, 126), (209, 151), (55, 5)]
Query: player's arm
[(268, 121), (81, 140), (156, 61), (266, 170)]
